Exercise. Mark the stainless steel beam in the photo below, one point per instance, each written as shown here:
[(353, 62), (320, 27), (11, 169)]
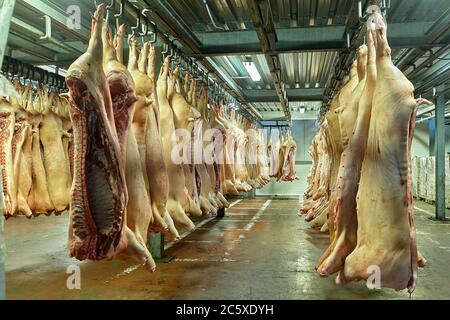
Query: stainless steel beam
[(429, 61), (439, 121), (289, 40), (57, 15), (169, 20), (19, 24), (328, 38), (437, 34), (265, 29), (432, 78), (270, 95), (16, 42)]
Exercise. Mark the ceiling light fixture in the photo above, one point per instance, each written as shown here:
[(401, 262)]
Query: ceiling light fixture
[(302, 108), (251, 69)]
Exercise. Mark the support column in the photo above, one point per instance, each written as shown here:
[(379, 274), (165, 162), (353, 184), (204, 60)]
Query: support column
[(156, 245), (432, 136), (155, 242), (6, 11), (221, 213), (439, 121)]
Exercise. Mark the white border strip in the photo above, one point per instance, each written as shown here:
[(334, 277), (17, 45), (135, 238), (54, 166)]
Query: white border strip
[(198, 226), (252, 222)]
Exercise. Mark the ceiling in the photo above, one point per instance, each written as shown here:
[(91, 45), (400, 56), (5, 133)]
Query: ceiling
[(311, 41)]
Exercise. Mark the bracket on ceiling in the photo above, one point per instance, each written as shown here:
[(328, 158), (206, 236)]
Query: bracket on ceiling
[(48, 28)]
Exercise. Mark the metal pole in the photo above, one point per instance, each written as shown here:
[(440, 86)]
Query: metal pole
[(439, 121), (6, 11), (156, 245), (432, 136)]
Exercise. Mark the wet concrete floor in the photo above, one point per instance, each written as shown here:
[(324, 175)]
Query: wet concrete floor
[(261, 250)]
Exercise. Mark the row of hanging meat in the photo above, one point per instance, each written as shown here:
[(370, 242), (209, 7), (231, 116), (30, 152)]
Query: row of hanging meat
[(108, 150), (359, 188), (35, 145)]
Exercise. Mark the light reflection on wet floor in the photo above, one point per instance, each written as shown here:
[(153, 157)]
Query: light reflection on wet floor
[(254, 253)]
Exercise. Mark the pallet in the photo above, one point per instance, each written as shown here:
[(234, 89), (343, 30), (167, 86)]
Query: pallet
[(429, 201)]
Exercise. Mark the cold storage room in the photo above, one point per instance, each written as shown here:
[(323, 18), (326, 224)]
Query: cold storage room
[(217, 150)]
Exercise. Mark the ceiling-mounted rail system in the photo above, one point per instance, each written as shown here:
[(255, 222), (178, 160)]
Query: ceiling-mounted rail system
[(261, 15), (13, 68), (6, 11), (163, 14), (353, 35)]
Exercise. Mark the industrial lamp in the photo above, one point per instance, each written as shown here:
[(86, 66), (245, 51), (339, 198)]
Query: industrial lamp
[(251, 69)]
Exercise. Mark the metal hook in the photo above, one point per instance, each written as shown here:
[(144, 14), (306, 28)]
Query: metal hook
[(48, 28), (108, 8), (152, 24), (144, 28), (121, 11), (207, 78), (145, 11), (171, 45), (138, 20), (165, 50), (154, 32)]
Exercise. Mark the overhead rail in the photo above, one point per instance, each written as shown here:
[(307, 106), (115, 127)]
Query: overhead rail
[(354, 36), (13, 68), (265, 28), (163, 14), (179, 59), (124, 11)]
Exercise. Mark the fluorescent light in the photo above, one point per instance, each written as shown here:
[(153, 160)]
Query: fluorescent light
[(252, 71), (302, 108)]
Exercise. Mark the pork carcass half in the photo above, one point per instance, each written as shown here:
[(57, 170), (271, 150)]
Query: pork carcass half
[(386, 231), (145, 127), (344, 220), (55, 164), (22, 161), (99, 198), (7, 123), (229, 183), (347, 110), (184, 121), (219, 151), (137, 150), (177, 199)]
